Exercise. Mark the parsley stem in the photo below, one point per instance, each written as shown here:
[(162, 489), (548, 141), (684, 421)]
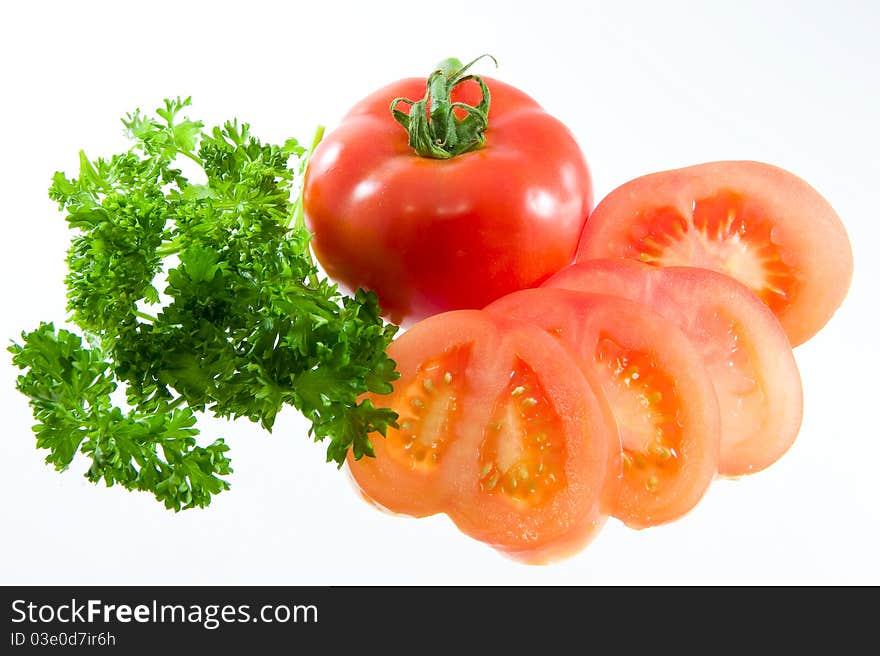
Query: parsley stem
[(192, 156), (298, 212), (145, 316), (180, 400), (299, 215), (169, 248), (319, 134)]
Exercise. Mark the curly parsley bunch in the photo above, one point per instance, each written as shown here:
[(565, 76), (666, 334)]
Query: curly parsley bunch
[(243, 326)]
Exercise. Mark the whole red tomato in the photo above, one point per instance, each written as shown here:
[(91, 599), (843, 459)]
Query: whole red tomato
[(473, 193)]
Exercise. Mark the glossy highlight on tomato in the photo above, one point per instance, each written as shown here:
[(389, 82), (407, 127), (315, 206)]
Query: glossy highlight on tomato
[(432, 235), (756, 222), (656, 385)]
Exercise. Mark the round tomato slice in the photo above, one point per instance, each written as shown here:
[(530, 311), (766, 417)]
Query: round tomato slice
[(440, 401), (658, 389), (743, 346), (538, 481), (758, 223), (499, 429)]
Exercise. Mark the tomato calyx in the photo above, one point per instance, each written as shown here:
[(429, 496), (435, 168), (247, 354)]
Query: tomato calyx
[(435, 129)]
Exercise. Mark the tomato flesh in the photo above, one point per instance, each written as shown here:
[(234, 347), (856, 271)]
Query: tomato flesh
[(521, 456), (499, 429), (538, 482), (757, 223), (726, 234), (656, 385), (428, 412), (743, 346), (643, 398), (440, 361)]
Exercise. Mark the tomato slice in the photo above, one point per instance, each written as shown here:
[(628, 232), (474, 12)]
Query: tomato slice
[(758, 223), (538, 483), (658, 389), (743, 346), (499, 429), (439, 399)]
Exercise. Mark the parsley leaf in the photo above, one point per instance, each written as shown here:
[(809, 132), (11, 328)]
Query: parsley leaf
[(243, 324)]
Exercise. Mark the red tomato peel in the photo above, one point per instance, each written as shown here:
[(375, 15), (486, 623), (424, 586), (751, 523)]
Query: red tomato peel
[(432, 235)]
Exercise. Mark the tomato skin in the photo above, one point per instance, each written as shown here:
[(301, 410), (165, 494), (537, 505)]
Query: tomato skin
[(746, 351), (431, 235), (686, 412), (783, 239)]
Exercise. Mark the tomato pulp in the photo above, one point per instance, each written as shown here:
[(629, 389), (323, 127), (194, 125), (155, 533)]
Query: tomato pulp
[(656, 385), (498, 429), (745, 350), (756, 222)]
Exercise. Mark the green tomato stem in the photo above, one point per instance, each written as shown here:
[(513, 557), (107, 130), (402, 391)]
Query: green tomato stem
[(433, 128)]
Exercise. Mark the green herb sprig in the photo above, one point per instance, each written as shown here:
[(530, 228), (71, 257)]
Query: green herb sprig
[(243, 326)]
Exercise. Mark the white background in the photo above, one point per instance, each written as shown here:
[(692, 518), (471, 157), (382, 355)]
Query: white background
[(644, 86)]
